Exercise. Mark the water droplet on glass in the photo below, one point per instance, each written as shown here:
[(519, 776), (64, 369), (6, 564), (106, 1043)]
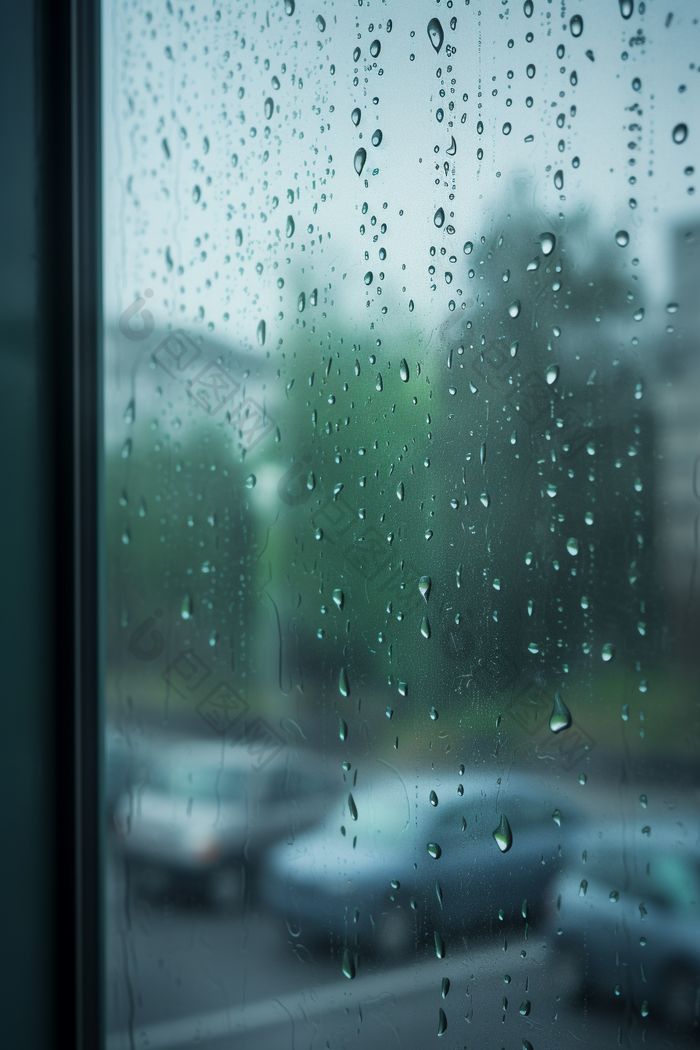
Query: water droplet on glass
[(369, 277), (560, 717), (583, 888), (343, 683), (130, 412), (348, 964), (614, 896), (439, 218), (352, 807), (514, 308), (556, 817), (434, 714), (439, 945), (269, 108), (289, 230), (552, 374), (356, 116), (424, 585), (321, 23), (186, 608), (433, 799), (576, 25), (525, 1007), (403, 370), (377, 138), (442, 1020), (262, 332), (607, 652), (374, 48), (559, 179), (434, 850), (680, 133), (622, 238), (338, 597), (547, 243), (572, 546), (359, 161), (468, 248), (528, 8), (400, 490), (289, 7), (435, 33), (626, 8), (342, 729), (425, 627), (503, 836), (445, 987), (126, 448), (250, 481), (301, 303)]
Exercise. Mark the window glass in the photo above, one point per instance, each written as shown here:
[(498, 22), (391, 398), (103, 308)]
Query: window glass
[(401, 510)]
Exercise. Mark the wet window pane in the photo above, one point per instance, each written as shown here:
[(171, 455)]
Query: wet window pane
[(401, 506)]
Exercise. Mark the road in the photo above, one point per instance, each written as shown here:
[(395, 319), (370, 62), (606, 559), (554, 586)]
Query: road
[(195, 977)]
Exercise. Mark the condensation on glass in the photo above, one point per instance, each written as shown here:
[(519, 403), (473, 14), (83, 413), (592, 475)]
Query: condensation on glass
[(401, 504)]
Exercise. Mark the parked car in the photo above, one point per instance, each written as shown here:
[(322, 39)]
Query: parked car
[(392, 867), (201, 814), (627, 915)]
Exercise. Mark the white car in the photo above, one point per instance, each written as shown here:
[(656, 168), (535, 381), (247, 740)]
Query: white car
[(201, 813)]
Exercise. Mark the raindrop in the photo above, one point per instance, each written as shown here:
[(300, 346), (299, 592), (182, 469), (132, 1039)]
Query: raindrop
[(680, 133), (321, 23), (377, 138), (560, 717), (528, 8), (583, 888), (507, 128), (439, 218), (556, 817), (186, 609), (439, 947), (614, 896), (290, 227), (525, 1007), (359, 161), (576, 25), (445, 987), (514, 308), (400, 490), (622, 238), (434, 714), (348, 962), (452, 149), (548, 243), (552, 374), (442, 1020), (374, 48), (403, 370), (250, 481), (503, 835), (289, 7), (607, 652), (559, 179), (343, 729), (262, 330), (352, 807), (301, 302), (530, 70), (269, 108), (626, 8), (425, 627), (369, 277), (338, 597), (343, 683), (572, 546), (435, 33), (468, 248), (356, 116), (424, 585), (433, 799), (434, 850)]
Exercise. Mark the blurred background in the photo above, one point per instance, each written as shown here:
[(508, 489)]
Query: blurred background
[(401, 503)]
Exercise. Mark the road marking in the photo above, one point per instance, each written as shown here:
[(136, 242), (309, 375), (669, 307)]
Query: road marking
[(268, 1013)]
